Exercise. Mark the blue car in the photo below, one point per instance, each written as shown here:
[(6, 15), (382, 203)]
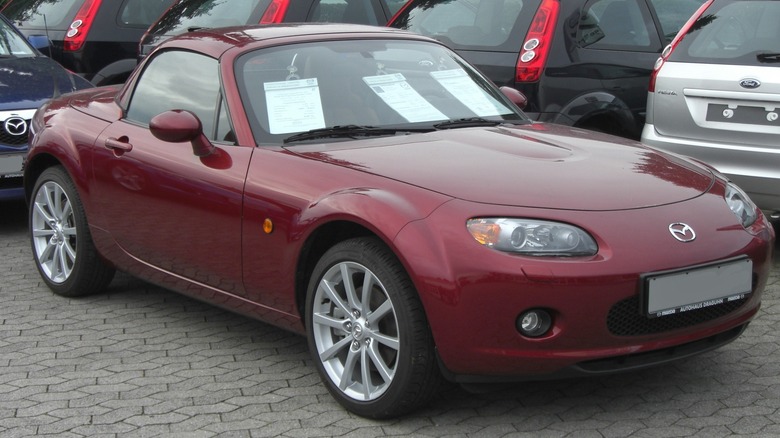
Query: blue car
[(27, 80)]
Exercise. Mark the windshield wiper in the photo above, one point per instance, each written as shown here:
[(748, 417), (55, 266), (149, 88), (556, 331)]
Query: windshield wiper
[(768, 57), (349, 131), (468, 122)]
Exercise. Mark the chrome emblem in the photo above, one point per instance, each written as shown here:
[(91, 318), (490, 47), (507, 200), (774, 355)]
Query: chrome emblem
[(682, 232), (750, 83), (15, 126)]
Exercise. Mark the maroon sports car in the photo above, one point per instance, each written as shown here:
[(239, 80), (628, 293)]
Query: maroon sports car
[(369, 189)]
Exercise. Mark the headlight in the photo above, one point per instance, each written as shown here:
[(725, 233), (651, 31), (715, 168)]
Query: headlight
[(742, 207), (532, 237)]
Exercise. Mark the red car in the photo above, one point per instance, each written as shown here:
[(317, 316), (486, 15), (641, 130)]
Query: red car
[(371, 190)]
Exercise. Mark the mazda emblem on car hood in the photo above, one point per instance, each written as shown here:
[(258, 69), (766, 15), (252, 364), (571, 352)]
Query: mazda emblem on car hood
[(682, 232)]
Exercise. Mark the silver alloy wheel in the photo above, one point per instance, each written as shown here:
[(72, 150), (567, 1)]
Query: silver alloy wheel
[(355, 331), (54, 234)]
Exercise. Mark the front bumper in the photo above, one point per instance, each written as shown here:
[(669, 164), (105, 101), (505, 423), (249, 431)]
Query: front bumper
[(473, 295)]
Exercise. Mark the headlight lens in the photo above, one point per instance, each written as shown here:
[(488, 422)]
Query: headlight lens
[(532, 237), (741, 205)]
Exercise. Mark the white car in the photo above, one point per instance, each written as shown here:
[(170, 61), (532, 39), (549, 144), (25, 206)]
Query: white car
[(715, 95)]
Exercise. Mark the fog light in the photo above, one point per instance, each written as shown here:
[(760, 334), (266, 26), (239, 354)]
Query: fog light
[(534, 323)]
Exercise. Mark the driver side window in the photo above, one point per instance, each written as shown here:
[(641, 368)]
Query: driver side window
[(168, 83)]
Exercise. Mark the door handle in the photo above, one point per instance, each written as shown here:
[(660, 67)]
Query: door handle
[(119, 145)]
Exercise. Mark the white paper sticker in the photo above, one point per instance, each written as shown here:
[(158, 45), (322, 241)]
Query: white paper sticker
[(294, 106), (401, 97), (458, 83)]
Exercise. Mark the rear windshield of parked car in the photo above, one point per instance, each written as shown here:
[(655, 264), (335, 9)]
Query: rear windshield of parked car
[(736, 32), (37, 14), (192, 14), (471, 23)]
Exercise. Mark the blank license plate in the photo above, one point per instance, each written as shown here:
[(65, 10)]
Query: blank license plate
[(11, 164), (696, 288), (750, 115)]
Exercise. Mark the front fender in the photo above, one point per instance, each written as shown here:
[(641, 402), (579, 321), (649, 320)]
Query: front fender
[(599, 111), (50, 147)]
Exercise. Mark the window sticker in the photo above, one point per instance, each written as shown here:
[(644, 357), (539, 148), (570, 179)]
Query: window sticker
[(460, 85), (401, 97), (294, 106)]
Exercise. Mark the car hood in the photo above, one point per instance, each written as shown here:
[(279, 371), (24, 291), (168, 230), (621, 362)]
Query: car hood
[(538, 165), (26, 83)]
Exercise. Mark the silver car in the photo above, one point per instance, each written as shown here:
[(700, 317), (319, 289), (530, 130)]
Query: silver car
[(715, 95)]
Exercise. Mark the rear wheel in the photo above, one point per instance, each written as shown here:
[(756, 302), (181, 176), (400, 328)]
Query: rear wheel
[(367, 331), (62, 246)]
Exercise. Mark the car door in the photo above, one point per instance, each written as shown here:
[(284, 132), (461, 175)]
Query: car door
[(163, 205), (619, 42)]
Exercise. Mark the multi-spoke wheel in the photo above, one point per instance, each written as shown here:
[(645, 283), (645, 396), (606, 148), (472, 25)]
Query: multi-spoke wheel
[(368, 332), (64, 253)]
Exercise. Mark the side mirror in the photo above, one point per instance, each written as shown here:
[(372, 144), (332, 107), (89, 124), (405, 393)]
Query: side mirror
[(178, 126), (515, 96), (40, 42)]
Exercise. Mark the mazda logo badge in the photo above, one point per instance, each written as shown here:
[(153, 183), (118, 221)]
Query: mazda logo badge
[(15, 126), (750, 83), (682, 232)]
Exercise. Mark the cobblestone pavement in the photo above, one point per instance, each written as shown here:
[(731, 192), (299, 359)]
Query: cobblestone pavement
[(142, 361)]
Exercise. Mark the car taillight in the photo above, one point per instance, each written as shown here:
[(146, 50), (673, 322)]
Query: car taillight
[(275, 12), (78, 29), (670, 48), (536, 45)]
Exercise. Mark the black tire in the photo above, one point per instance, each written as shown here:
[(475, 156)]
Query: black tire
[(61, 242), (344, 333)]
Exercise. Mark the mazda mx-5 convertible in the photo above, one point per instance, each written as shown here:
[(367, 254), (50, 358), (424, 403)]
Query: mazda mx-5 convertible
[(370, 190)]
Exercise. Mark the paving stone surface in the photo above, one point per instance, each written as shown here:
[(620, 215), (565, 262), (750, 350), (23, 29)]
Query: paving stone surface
[(140, 361)]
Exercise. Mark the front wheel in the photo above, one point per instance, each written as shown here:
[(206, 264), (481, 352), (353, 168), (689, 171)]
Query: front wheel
[(62, 246), (367, 331)]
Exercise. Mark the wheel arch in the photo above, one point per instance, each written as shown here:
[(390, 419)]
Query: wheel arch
[(33, 168), (115, 73), (350, 214), (318, 242), (599, 111)]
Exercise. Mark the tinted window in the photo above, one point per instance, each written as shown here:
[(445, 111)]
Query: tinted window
[(168, 83), (673, 14), (615, 24), (142, 13), (42, 14), (189, 14), (738, 32), (345, 11), (470, 23)]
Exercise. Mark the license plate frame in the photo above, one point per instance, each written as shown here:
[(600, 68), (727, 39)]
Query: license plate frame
[(692, 288)]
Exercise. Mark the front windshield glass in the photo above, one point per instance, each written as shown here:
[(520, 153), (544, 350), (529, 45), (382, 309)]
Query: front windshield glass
[(378, 83), (11, 44)]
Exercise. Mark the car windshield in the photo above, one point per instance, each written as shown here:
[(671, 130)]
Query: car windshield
[(740, 32), (11, 44), (359, 86)]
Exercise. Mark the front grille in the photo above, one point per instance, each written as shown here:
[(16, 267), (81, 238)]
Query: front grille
[(11, 139), (624, 318)]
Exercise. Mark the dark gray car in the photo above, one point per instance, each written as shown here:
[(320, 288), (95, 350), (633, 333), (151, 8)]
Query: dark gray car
[(581, 63)]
